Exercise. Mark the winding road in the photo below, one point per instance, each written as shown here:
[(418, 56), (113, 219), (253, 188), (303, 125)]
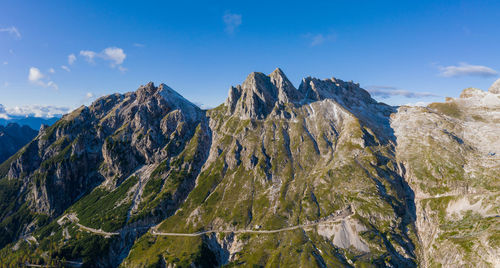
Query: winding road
[(341, 216)]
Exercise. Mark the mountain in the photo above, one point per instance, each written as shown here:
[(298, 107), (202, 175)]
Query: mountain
[(32, 122), (316, 176), (12, 138)]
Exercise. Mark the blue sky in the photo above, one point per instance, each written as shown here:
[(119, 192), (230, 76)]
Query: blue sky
[(403, 51)]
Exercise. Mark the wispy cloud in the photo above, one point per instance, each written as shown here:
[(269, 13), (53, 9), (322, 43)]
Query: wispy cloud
[(36, 77), (115, 55), (52, 71), (122, 69), (232, 22), (11, 30), (66, 68), (71, 58), (389, 91), (138, 45), (316, 39), (465, 69), (53, 85), (33, 110), (88, 55), (418, 103)]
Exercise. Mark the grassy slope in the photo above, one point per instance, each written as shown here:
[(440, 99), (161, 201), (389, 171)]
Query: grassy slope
[(308, 183)]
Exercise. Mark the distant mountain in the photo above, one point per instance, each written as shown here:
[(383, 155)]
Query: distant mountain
[(321, 175), (12, 138), (32, 122)]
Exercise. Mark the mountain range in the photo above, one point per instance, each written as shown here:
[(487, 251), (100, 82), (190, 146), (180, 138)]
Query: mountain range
[(31, 121), (321, 175), (12, 138)]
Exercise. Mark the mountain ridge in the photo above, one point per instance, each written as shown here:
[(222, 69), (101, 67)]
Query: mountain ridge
[(269, 158)]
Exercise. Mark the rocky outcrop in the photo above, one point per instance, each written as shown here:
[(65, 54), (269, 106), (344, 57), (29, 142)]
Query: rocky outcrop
[(449, 151), (102, 145), (260, 94), (495, 87)]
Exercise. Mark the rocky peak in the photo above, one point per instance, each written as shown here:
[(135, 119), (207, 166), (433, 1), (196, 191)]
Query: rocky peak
[(260, 93), (176, 102), (286, 91), (343, 92), (255, 98), (471, 92), (495, 87), (146, 91)]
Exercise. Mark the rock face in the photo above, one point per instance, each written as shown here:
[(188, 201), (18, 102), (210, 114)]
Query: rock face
[(104, 145), (450, 154), (12, 138), (260, 94), (495, 88), (319, 176)]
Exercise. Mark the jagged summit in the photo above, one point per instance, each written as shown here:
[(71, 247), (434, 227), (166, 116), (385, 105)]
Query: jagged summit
[(171, 96), (326, 177), (260, 93), (286, 91)]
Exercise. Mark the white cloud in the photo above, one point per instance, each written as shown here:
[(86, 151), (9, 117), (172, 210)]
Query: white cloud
[(88, 55), (89, 95), (51, 70), (113, 54), (36, 111), (418, 103), (3, 113), (317, 40), (122, 69), (35, 75), (5, 62), (464, 69), (11, 30), (232, 22), (71, 58), (6, 84), (53, 85), (66, 68), (385, 92)]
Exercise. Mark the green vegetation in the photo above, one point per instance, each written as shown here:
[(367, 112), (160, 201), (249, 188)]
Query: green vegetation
[(105, 210), (448, 108)]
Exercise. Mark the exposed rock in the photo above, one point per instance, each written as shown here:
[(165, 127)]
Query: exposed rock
[(319, 176), (495, 87)]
